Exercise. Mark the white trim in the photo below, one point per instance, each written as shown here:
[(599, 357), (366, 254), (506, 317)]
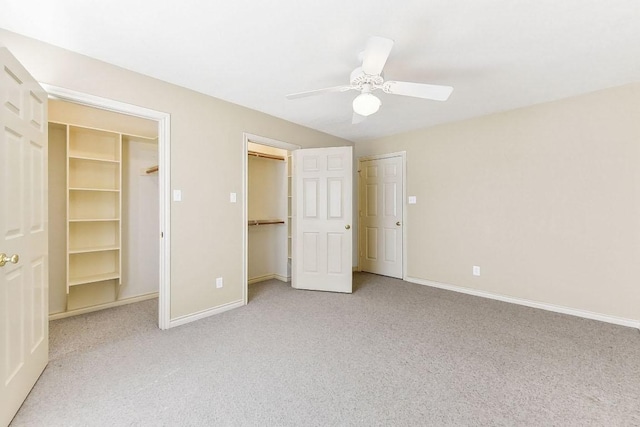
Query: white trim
[(246, 137), (182, 320), (164, 154), (245, 213), (64, 314), (281, 278), (405, 225), (263, 140), (528, 303)]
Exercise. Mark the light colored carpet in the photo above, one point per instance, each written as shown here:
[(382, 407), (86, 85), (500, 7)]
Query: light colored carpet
[(392, 353)]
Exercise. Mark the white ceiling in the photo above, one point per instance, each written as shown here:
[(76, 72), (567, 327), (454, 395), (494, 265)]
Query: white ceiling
[(497, 54)]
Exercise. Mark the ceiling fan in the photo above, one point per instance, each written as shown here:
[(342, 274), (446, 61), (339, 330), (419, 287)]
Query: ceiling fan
[(369, 78)]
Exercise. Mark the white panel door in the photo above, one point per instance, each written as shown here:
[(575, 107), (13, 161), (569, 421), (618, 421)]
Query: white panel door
[(322, 219), (24, 330), (381, 196)]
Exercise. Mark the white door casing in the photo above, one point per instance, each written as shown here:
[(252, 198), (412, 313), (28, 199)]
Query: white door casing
[(24, 295), (381, 195), (322, 216)]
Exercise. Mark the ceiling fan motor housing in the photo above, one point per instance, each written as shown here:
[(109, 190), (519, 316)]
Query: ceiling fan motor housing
[(359, 79)]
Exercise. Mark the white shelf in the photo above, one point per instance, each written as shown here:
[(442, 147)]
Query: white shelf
[(93, 249), (112, 190), (93, 219), (94, 180), (93, 159), (75, 281), (93, 144)]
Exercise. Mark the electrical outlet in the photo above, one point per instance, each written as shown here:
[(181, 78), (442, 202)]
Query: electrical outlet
[(476, 270), (219, 282)]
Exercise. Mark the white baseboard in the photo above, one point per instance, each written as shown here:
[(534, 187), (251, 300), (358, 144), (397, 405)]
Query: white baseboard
[(520, 301), (283, 278), (178, 321), (98, 307), (268, 277)]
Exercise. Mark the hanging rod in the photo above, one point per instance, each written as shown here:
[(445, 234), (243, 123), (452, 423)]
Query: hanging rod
[(266, 156), (252, 222), (152, 169)]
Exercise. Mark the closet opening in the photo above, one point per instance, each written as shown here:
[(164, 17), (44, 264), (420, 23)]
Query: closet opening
[(268, 204), (108, 223)]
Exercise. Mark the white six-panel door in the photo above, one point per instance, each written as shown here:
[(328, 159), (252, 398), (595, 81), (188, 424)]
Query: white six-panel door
[(322, 237), (23, 234), (381, 207)]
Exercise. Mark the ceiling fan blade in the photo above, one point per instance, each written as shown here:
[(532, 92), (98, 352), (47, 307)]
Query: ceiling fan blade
[(357, 118), (319, 91), (375, 55), (418, 90)]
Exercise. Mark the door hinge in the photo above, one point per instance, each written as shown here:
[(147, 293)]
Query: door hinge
[(161, 235)]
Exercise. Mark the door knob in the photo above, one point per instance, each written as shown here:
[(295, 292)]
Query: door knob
[(347, 226), (398, 223), (5, 259)]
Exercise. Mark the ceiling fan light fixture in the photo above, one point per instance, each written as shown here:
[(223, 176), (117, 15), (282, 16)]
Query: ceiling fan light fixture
[(366, 104)]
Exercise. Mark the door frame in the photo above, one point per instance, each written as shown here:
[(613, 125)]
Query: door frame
[(403, 156), (164, 182), (262, 140)]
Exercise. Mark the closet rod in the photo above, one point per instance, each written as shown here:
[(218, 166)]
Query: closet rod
[(264, 222), (266, 156)]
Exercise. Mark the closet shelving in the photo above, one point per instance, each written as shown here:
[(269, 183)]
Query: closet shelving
[(265, 155), (253, 222), (94, 199), (269, 215)]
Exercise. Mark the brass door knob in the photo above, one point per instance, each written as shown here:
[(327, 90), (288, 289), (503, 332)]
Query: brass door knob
[(398, 223), (347, 226), (5, 259)]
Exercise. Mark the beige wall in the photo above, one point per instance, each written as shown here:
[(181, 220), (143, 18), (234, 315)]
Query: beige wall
[(206, 162), (546, 200)]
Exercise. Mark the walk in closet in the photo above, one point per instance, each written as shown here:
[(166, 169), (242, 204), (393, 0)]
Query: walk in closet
[(103, 209), (269, 213)]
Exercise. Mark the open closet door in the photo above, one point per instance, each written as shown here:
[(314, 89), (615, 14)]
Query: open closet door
[(24, 327), (322, 219)]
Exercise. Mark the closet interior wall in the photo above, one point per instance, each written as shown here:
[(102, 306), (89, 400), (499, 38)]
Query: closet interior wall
[(130, 195), (268, 213)]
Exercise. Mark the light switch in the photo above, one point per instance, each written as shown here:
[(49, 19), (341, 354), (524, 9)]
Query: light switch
[(413, 200), (177, 195), (233, 198)]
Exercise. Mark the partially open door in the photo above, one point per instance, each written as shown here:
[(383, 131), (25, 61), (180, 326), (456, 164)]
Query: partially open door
[(24, 300), (322, 235)]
